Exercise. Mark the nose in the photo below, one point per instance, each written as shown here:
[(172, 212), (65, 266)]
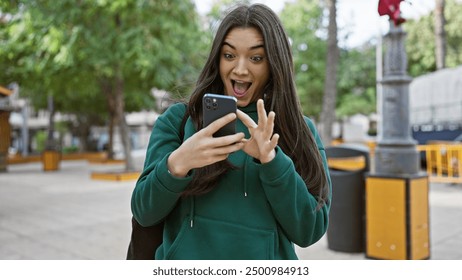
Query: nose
[(241, 67)]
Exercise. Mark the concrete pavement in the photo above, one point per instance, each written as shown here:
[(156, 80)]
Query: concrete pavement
[(65, 215)]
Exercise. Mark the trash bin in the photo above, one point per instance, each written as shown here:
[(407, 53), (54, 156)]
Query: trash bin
[(347, 167)]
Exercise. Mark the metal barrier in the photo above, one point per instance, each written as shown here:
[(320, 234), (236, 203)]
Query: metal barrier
[(443, 161)]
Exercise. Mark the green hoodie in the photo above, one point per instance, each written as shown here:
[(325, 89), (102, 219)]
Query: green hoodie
[(255, 212)]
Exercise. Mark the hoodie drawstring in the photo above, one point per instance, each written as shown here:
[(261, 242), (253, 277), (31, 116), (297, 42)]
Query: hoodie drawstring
[(191, 212), (247, 158)]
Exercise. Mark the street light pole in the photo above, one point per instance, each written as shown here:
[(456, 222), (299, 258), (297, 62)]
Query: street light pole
[(396, 196), (396, 151)]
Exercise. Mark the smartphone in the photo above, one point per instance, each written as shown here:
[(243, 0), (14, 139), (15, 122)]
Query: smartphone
[(215, 106)]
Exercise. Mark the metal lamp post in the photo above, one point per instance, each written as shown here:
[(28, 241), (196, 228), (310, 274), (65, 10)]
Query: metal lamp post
[(396, 151), (396, 196)]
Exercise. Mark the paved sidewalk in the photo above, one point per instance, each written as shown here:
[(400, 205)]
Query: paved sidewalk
[(65, 215)]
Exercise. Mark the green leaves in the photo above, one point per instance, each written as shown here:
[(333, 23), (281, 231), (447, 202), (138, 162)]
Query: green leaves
[(420, 41), (67, 45), (303, 21)]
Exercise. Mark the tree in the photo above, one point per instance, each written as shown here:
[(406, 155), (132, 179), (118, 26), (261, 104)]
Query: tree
[(357, 81), (440, 40), (330, 84), (356, 73), (420, 42), (303, 21), (117, 49)]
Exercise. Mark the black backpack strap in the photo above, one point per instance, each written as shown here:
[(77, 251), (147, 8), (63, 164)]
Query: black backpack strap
[(144, 241)]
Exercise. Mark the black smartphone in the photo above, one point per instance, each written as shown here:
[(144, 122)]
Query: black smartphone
[(215, 106)]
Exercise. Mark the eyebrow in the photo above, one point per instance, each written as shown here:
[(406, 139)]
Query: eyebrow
[(251, 48)]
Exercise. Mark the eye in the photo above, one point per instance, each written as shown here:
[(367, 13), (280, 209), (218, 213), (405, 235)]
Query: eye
[(257, 58), (228, 56)]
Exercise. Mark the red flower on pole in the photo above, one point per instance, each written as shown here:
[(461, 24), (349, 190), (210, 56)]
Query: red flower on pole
[(391, 8)]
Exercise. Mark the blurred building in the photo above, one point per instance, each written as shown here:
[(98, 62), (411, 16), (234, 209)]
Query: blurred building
[(27, 125)]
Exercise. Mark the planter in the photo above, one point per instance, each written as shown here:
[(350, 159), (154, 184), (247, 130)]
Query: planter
[(51, 160)]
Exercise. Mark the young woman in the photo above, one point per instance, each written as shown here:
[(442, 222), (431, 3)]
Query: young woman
[(249, 195)]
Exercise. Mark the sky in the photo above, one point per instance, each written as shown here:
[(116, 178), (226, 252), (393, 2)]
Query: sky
[(359, 17)]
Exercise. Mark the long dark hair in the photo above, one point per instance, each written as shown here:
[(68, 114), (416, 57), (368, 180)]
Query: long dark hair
[(296, 139)]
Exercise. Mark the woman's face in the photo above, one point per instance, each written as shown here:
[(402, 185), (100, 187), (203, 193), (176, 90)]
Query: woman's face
[(244, 67)]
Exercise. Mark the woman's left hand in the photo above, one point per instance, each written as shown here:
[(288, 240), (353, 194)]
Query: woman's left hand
[(262, 142)]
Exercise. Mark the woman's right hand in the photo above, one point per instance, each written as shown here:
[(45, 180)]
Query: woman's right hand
[(202, 149)]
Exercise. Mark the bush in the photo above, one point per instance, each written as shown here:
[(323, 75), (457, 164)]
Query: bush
[(70, 149), (40, 140)]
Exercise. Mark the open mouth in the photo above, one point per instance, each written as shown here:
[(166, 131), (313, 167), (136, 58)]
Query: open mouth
[(240, 88)]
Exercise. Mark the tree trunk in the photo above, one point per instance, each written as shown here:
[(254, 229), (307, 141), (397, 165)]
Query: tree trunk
[(330, 84), (107, 88), (110, 141), (114, 91), (440, 35), (121, 121), (51, 144), (83, 131), (118, 88)]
